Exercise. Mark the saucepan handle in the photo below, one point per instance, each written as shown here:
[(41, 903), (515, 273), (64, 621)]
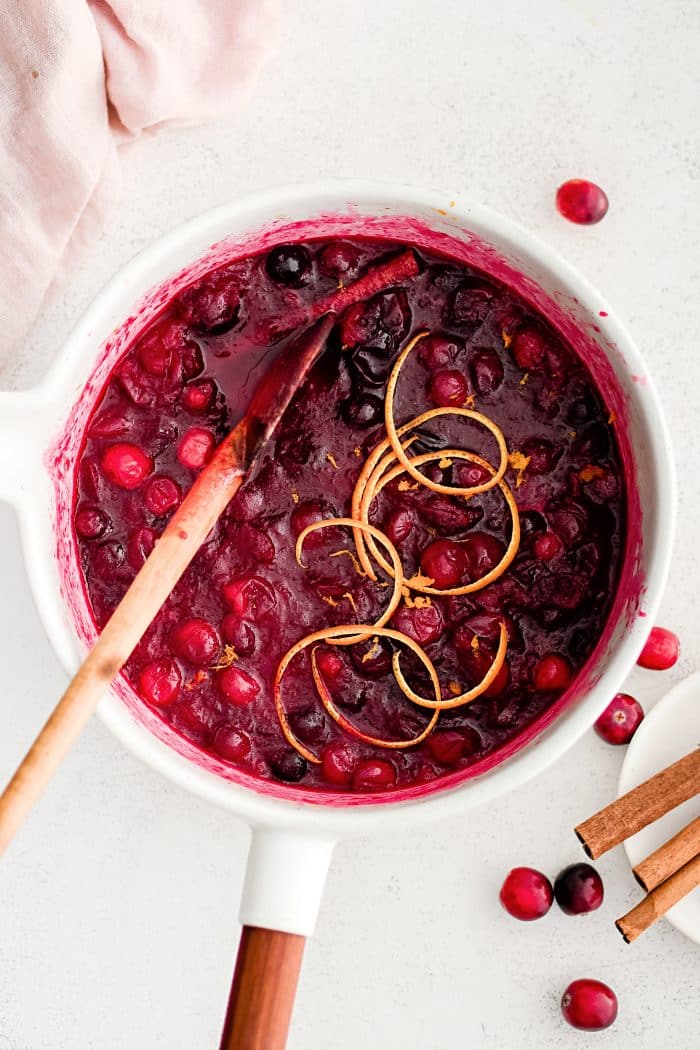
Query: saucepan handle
[(284, 883)]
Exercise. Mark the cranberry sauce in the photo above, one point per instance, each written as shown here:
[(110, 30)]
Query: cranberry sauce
[(208, 662)]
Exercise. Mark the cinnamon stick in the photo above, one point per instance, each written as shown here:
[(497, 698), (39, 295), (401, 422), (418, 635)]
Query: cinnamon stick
[(641, 806), (669, 858), (376, 279), (658, 902)]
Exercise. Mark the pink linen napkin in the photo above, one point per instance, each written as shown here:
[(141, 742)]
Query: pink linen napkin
[(78, 78)]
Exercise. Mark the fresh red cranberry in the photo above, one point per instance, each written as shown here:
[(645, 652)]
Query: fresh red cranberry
[(486, 370), (162, 494), (339, 259), (289, 265), (589, 1005), (249, 597), (91, 522), (159, 682), (196, 448), (526, 894), (424, 624), (578, 889), (237, 686), (199, 396), (373, 774), (547, 546), (338, 761), (542, 454), (436, 351), (446, 746), (528, 348), (581, 201), (231, 743), (238, 633), (196, 641), (139, 546), (620, 719), (126, 466), (552, 673), (448, 388), (444, 563), (482, 553), (289, 766), (660, 651), (399, 525)]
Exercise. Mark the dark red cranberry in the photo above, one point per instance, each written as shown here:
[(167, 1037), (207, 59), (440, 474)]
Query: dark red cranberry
[(482, 553), (603, 488), (110, 423), (255, 543), (424, 624), (199, 396), (159, 682), (309, 725), (528, 348), (620, 719), (213, 305), (382, 322), (108, 558), (372, 366), (308, 513), (231, 743), (140, 544), (157, 346), (238, 633), (444, 563), (589, 1005), (289, 766), (237, 686), (486, 370), (162, 494), (449, 514), (126, 466), (249, 597), (446, 746), (374, 774), (91, 523), (552, 673), (568, 519), (363, 410), (338, 761), (196, 448), (436, 351), (547, 546), (399, 525), (471, 302), (581, 201), (248, 502), (660, 651), (449, 387), (542, 454), (289, 264), (578, 889), (469, 475), (339, 259), (196, 641), (372, 658), (526, 894)]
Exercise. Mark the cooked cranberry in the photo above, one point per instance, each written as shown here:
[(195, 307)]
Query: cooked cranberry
[(372, 658), (528, 347), (620, 719), (196, 641), (126, 466), (309, 725), (589, 1005), (552, 673), (542, 454), (338, 761), (331, 666), (111, 423), (159, 682), (449, 387), (91, 523), (289, 766), (578, 889), (363, 411), (471, 302), (249, 597), (660, 651), (231, 743), (196, 448), (289, 264), (446, 746), (382, 322), (531, 523), (603, 488), (255, 543), (238, 633), (339, 259), (547, 546), (308, 513), (237, 686), (482, 553), (212, 305), (424, 624), (436, 351), (444, 563), (581, 201), (399, 525), (449, 514), (568, 519), (486, 370), (162, 494), (140, 544), (199, 396), (108, 558), (248, 502), (469, 475), (371, 365), (373, 774), (526, 894)]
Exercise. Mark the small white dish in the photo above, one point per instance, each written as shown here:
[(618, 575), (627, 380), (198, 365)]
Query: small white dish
[(667, 733)]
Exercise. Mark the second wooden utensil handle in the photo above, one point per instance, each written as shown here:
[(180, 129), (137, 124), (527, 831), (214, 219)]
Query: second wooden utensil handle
[(263, 990)]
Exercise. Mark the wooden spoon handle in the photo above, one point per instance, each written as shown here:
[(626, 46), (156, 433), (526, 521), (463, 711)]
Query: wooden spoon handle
[(263, 990)]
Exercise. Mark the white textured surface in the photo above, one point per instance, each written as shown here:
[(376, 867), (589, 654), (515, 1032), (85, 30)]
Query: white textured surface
[(118, 902)]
